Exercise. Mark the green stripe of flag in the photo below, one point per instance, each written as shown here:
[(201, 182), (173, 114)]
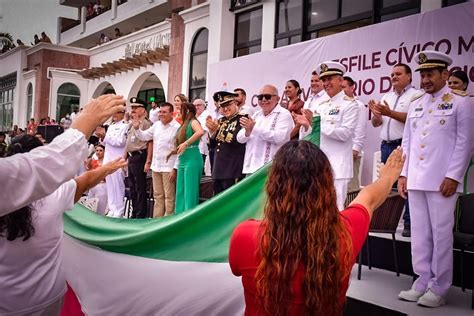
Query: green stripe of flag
[(201, 234)]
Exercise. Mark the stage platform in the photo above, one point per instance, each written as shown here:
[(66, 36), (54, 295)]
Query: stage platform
[(376, 293), (380, 288)]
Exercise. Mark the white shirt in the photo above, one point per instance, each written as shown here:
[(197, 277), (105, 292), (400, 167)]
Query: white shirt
[(359, 133), (314, 100), (164, 141), (392, 129), (203, 149), (31, 277), (154, 114), (40, 171), (269, 133)]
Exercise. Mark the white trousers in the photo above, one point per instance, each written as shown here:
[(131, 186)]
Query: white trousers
[(115, 193), (432, 221), (341, 192)]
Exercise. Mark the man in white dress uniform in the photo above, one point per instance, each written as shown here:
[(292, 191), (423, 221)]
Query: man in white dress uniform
[(115, 141), (339, 117), (437, 143)]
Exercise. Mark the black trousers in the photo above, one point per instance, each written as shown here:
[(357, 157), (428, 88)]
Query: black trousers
[(203, 164), (223, 184), (137, 183)]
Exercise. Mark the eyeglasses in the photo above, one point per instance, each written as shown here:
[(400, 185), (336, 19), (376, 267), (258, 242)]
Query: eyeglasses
[(266, 96)]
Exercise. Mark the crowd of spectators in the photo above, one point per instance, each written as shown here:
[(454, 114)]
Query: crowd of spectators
[(9, 44)]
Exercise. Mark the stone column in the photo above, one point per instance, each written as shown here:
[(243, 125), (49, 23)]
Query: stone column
[(175, 72)]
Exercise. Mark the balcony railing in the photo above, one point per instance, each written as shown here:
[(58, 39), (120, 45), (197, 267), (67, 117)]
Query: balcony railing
[(237, 4), (90, 14)]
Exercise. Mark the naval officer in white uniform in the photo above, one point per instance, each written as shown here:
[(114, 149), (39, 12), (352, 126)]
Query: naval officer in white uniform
[(437, 143), (115, 141), (339, 115)]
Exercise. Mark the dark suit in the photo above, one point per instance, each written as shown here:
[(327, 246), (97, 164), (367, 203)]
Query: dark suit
[(229, 154)]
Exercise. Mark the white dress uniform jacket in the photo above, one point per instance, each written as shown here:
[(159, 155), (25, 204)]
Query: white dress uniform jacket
[(115, 141), (268, 135), (338, 121), (41, 171), (437, 140)]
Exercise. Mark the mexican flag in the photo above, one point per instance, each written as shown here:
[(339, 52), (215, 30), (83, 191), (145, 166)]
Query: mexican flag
[(176, 265)]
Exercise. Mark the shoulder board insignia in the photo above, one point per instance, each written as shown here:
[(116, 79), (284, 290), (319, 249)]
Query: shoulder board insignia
[(459, 92), (347, 98), (416, 97)]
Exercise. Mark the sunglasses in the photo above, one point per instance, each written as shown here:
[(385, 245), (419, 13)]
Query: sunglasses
[(267, 97)]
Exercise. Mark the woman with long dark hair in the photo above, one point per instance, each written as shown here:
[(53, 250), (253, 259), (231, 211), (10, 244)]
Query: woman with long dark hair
[(298, 259), (295, 104), (31, 280), (178, 101), (190, 160)]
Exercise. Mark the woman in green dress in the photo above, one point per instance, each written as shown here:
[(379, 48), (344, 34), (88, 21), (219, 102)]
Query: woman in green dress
[(190, 162)]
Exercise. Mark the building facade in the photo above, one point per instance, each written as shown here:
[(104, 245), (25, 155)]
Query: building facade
[(156, 49)]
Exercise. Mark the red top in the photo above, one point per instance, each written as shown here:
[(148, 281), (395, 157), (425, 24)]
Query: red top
[(296, 106), (244, 261)]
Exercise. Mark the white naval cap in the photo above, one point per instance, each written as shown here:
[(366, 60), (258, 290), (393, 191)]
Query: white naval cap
[(329, 68), (429, 59)]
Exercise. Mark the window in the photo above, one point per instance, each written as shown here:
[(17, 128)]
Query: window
[(29, 102), (447, 3), (148, 95), (68, 99), (301, 20), (237, 4), (7, 91), (289, 22), (248, 32), (198, 66), (394, 9)]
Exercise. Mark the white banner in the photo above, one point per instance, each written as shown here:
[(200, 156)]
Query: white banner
[(368, 53)]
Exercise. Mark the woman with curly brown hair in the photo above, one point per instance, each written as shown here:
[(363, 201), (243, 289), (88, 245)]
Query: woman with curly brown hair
[(298, 259)]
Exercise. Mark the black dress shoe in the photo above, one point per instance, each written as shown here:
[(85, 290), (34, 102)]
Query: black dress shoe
[(406, 231)]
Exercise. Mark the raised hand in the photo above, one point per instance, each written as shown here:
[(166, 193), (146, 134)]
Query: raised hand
[(247, 124), (393, 166), (96, 112)]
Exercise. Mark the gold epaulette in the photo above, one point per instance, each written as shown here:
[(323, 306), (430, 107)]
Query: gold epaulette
[(416, 97), (459, 92)]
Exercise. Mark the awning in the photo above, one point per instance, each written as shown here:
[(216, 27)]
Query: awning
[(149, 57)]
